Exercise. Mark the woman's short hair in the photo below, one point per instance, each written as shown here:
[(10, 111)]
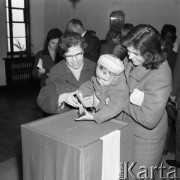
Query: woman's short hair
[(147, 40), (54, 33), (71, 39)]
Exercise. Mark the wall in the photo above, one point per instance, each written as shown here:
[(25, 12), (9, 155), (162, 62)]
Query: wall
[(47, 14), (3, 44)]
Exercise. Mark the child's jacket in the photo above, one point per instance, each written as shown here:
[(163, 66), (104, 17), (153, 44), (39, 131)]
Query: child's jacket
[(112, 98)]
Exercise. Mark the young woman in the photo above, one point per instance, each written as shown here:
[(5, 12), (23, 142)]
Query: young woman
[(48, 57), (149, 79)]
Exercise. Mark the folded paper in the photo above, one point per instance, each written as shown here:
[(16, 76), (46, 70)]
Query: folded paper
[(40, 64)]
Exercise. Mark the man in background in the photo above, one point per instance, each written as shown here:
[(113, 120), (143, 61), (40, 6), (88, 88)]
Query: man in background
[(175, 95), (92, 51)]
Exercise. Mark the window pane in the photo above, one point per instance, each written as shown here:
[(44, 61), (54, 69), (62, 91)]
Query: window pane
[(8, 30), (6, 3), (17, 15), (7, 14), (18, 29), (19, 44), (17, 3), (9, 48)]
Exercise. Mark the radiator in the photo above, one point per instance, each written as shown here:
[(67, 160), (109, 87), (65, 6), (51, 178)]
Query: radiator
[(19, 70)]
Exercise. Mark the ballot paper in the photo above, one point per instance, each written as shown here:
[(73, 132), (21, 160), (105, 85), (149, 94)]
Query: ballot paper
[(40, 64)]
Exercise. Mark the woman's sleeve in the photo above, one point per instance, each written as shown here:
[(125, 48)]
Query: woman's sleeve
[(156, 92), (48, 96)]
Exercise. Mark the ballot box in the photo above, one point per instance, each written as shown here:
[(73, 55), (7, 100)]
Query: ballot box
[(59, 148)]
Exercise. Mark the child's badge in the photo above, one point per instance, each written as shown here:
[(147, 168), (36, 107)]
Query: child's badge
[(107, 101)]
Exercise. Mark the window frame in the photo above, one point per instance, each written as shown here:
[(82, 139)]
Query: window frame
[(26, 13)]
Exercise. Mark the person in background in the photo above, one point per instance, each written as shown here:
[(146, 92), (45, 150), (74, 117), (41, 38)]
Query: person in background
[(149, 80), (48, 57), (119, 50), (175, 95), (126, 29), (66, 76), (168, 35), (106, 92), (92, 50), (112, 40)]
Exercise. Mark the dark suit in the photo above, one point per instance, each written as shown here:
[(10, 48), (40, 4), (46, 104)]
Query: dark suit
[(92, 51)]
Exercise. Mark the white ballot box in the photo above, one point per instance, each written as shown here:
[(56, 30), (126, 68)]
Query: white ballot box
[(59, 148)]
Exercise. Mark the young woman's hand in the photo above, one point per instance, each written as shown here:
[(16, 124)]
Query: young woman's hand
[(137, 97)]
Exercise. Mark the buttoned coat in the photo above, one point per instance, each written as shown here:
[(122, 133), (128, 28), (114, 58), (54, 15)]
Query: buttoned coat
[(61, 80), (149, 119)]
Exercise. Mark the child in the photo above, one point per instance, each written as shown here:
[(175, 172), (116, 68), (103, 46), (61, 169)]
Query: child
[(107, 91)]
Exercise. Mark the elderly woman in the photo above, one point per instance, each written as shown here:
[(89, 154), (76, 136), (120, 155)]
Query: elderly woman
[(149, 79), (66, 76)]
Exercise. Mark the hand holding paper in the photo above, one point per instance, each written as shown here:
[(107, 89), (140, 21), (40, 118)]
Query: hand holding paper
[(40, 64), (85, 116), (69, 99), (41, 70)]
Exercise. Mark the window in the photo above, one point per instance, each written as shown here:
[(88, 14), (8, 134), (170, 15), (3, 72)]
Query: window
[(18, 27)]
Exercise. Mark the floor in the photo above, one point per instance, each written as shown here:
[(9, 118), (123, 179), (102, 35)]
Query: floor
[(18, 107)]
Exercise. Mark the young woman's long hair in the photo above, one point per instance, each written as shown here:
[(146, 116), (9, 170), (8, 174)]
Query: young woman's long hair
[(54, 33)]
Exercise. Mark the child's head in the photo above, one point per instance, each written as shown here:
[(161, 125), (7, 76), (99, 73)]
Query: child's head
[(109, 67)]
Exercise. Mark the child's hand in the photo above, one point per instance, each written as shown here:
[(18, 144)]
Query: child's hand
[(86, 116)]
